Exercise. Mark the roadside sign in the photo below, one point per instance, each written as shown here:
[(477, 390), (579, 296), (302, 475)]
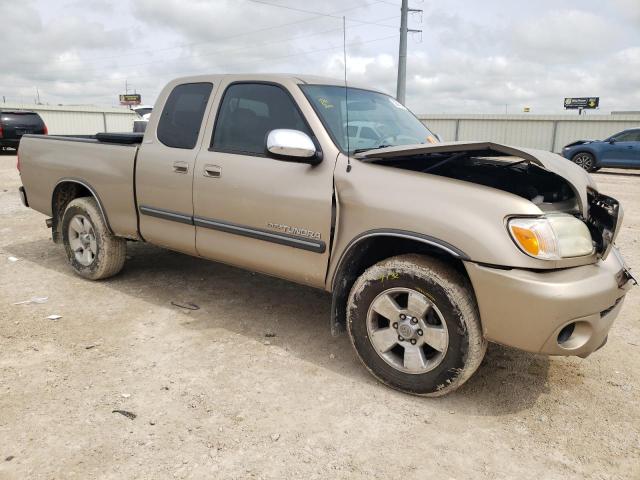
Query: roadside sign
[(581, 102), (131, 99)]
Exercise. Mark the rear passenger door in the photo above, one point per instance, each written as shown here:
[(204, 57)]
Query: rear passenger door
[(165, 166), (255, 211)]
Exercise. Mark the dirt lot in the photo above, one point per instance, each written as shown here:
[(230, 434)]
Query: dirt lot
[(216, 398)]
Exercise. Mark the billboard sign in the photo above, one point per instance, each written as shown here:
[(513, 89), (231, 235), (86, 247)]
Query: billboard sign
[(582, 102), (131, 99)]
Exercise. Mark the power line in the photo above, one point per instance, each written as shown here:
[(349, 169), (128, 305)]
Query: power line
[(206, 55), (280, 57), (307, 52), (218, 39), (295, 9)]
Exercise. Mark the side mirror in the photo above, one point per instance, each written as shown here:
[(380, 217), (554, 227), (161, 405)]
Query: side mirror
[(293, 146), (438, 137), (612, 141)]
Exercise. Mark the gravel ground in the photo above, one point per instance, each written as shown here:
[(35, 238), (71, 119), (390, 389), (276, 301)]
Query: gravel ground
[(252, 385)]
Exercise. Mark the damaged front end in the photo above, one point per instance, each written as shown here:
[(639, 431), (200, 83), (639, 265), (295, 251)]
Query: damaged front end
[(603, 220), (549, 181)]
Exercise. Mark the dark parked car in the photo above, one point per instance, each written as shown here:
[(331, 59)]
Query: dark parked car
[(621, 150), (16, 123)]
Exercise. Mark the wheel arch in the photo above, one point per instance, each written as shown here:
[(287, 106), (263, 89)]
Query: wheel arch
[(372, 246), (66, 190)]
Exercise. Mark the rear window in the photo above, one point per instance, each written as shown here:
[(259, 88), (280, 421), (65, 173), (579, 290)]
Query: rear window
[(181, 118), (21, 118)]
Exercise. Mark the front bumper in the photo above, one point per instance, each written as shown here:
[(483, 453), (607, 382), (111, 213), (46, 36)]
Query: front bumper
[(559, 312)]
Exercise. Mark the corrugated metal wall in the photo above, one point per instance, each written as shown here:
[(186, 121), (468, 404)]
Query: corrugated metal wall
[(546, 132), (80, 120)]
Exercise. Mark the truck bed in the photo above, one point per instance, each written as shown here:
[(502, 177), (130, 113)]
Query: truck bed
[(104, 164), (126, 138)]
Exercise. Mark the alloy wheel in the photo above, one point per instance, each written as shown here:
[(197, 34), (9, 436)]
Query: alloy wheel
[(82, 240), (407, 330)]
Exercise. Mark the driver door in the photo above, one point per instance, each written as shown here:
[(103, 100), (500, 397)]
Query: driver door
[(253, 210)]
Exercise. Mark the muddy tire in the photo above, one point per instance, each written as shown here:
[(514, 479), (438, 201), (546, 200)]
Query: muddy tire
[(92, 251), (414, 323)]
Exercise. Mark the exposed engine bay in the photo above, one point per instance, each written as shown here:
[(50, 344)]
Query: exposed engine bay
[(541, 177), (547, 190)]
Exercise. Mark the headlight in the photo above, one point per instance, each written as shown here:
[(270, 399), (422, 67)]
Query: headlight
[(551, 237)]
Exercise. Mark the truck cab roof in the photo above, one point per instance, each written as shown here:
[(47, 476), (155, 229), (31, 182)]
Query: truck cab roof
[(275, 78)]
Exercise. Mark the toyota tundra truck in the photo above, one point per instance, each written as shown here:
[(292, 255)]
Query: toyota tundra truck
[(430, 249)]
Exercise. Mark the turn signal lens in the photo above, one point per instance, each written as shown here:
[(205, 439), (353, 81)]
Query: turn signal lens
[(535, 237), (552, 237), (527, 240)]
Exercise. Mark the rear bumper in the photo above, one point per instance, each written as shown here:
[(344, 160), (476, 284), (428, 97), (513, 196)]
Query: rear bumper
[(9, 142), (529, 310)]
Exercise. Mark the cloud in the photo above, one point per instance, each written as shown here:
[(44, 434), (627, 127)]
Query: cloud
[(472, 57), (563, 36)]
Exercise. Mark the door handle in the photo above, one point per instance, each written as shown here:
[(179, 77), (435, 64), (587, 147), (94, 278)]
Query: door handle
[(180, 167), (213, 171)]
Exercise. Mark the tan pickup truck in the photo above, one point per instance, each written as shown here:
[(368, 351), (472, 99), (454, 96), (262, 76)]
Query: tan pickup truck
[(430, 249)]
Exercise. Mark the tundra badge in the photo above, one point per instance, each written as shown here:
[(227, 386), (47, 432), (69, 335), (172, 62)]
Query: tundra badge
[(302, 232)]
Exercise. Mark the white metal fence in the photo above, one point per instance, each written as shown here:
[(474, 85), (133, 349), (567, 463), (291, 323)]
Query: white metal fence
[(80, 120), (545, 132)]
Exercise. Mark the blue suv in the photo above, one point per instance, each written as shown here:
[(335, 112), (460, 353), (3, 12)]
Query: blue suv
[(621, 150)]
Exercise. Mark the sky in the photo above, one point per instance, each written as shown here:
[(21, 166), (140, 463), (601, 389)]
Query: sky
[(489, 56)]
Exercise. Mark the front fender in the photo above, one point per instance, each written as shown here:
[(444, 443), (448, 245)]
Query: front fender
[(466, 216)]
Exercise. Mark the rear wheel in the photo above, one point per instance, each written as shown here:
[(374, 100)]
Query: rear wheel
[(414, 323), (584, 160), (92, 251)]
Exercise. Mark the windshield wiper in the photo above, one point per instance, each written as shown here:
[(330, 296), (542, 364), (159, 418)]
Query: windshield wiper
[(360, 150)]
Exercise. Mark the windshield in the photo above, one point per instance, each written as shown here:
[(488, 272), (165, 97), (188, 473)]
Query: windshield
[(375, 119)]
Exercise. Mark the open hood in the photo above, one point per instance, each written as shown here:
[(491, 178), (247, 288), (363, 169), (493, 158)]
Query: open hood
[(574, 175)]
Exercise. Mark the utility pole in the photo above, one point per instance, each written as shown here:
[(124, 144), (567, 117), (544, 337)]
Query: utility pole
[(402, 54)]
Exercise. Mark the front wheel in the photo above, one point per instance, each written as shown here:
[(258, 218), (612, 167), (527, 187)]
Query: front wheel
[(414, 323), (584, 160), (92, 251)]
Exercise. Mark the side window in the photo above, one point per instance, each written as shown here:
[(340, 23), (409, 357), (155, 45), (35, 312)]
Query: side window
[(248, 112), (632, 136), (181, 118)]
